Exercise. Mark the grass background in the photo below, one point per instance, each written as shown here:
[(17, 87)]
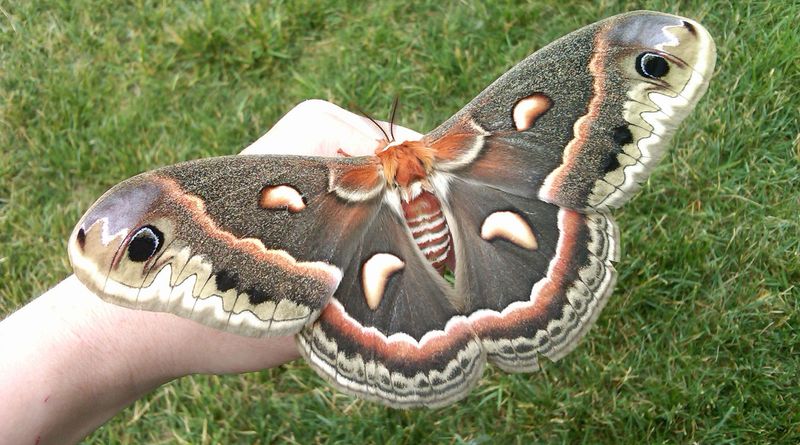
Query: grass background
[(699, 342)]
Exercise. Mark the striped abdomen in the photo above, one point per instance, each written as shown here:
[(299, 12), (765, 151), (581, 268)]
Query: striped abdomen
[(428, 226)]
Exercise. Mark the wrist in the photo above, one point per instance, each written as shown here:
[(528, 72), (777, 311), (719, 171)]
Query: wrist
[(70, 362)]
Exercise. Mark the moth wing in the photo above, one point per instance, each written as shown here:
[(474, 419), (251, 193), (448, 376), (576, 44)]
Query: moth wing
[(239, 243), (535, 275), (583, 121), (393, 330), (258, 245), (266, 245)]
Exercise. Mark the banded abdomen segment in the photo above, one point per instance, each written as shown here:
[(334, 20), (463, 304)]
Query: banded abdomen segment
[(428, 226)]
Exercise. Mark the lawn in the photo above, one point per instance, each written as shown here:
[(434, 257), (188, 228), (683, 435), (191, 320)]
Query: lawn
[(700, 341)]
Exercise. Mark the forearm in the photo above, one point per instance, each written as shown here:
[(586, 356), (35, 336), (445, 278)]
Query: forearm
[(61, 376), (70, 361)]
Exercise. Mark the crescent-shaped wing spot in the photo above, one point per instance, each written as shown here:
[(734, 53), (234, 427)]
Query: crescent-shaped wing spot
[(511, 227), (280, 197), (376, 273), (529, 109)]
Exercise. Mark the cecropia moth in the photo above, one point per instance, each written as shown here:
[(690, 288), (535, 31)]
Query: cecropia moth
[(511, 195)]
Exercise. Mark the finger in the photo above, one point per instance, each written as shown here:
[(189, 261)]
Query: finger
[(320, 128)]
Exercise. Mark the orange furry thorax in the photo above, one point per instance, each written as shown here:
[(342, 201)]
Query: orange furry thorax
[(406, 162)]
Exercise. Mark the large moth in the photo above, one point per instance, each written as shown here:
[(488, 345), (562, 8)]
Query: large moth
[(512, 195)]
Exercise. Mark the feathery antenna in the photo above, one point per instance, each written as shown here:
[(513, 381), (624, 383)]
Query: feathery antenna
[(395, 103), (374, 122)]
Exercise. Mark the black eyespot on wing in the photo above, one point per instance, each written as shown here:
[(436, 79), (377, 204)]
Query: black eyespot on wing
[(651, 65), (257, 296), (611, 162), (226, 280), (690, 27), (622, 135), (81, 237), (523, 348), (145, 243)]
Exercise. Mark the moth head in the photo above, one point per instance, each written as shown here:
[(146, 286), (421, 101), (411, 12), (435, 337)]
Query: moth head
[(405, 162), (120, 238)]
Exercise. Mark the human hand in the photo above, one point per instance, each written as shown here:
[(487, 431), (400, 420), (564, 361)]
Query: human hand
[(71, 361)]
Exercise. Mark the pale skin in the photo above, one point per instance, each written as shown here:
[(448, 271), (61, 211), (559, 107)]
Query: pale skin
[(70, 361)]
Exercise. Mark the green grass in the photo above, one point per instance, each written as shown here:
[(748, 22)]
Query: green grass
[(699, 342)]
